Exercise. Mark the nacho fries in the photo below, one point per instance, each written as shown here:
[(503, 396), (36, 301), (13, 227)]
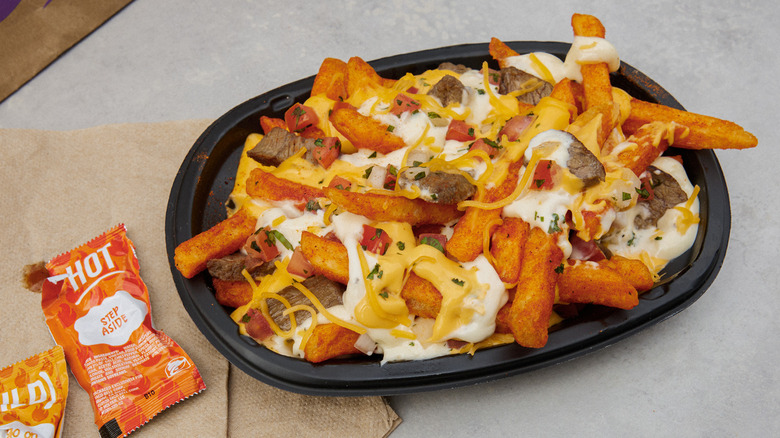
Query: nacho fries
[(431, 214)]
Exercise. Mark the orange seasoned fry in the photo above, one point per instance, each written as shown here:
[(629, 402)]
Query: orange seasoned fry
[(232, 293), (466, 241), (705, 132), (331, 80), (421, 296), (596, 283), (651, 141), (328, 341), (632, 271), (222, 239), (364, 132), (570, 92), (269, 123), (506, 247), (499, 50), (529, 316), (361, 75), (379, 207), (595, 77), (587, 25), (327, 257), (502, 318), (265, 185)]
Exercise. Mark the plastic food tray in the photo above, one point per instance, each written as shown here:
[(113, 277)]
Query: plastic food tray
[(205, 179)]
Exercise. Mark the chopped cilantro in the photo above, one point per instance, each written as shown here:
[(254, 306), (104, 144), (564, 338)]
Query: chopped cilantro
[(401, 246), (432, 242), (492, 143), (480, 91), (538, 182), (626, 196), (373, 155), (367, 173), (433, 115), (658, 237), (390, 128), (280, 237), (458, 281), (631, 241), (643, 193), (554, 228), (420, 175), (245, 318), (434, 197), (384, 294), (375, 272), (312, 205), (471, 132), (318, 142), (559, 269)]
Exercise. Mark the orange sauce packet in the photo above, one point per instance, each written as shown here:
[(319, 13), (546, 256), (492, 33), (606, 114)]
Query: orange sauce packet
[(97, 307), (33, 394)]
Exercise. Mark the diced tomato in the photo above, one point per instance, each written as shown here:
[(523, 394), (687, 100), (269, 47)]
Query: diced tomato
[(390, 177), (437, 241), (412, 90), (515, 127), (645, 191), (256, 325), (544, 175), (460, 131), (585, 250), (269, 123), (488, 146), (300, 117), (299, 265), (326, 150), (340, 183), (259, 245), (375, 240), (403, 103)]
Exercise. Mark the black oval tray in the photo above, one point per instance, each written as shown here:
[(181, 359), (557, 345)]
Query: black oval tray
[(205, 180)]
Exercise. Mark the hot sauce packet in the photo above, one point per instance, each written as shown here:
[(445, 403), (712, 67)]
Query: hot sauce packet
[(33, 394), (97, 307)]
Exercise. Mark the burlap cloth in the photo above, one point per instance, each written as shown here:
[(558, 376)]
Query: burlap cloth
[(61, 189)]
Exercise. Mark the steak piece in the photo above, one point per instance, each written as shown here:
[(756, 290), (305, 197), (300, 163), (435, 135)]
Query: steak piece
[(229, 268), (457, 68), (439, 187), (448, 90), (513, 79), (279, 145), (584, 165), (666, 194), (328, 292)]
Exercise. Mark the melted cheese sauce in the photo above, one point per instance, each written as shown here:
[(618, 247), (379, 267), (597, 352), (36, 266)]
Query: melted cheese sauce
[(472, 293)]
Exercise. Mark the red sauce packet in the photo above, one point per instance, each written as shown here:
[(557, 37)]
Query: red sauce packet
[(97, 307), (33, 394)]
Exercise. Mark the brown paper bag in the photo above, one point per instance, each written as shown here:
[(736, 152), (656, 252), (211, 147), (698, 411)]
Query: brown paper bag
[(35, 32)]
